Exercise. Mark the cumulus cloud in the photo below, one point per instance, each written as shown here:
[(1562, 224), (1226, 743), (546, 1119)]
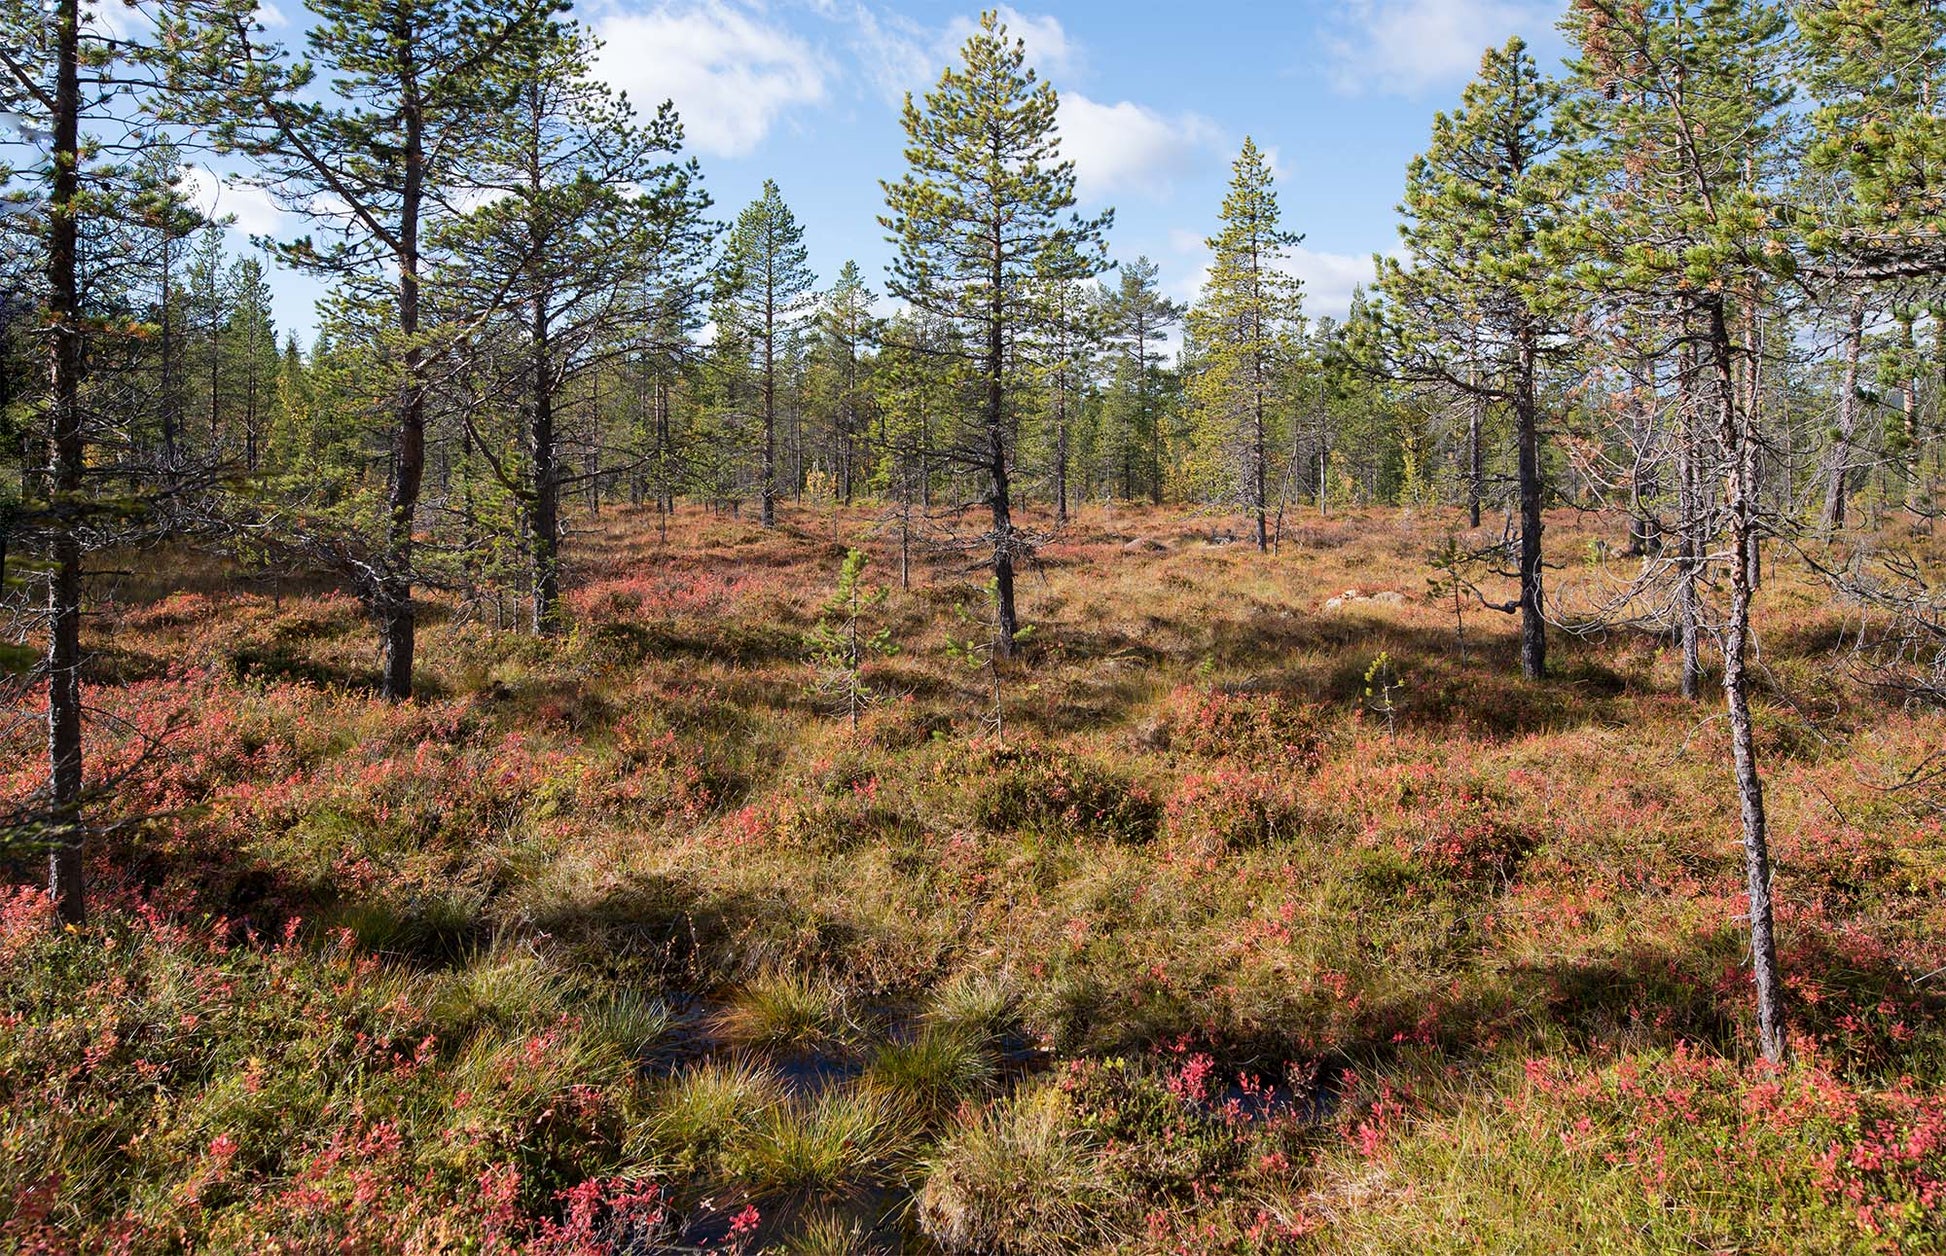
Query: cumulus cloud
[(1126, 147), (1049, 49), (253, 210), (1410, 46), (900, 55), (732, 74), (1329, 278)]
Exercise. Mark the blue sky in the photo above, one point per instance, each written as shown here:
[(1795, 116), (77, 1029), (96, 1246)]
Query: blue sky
[(1156, 99)]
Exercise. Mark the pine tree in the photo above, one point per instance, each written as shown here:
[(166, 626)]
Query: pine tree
[(1478, 306), (1245, 328), (582, 197), (838, 381), (978, 221), (1062, 353), (767, 283), (418, 87), (1877, 72), (1139, 318), (70, 87), (251, 362), (1690, 100)]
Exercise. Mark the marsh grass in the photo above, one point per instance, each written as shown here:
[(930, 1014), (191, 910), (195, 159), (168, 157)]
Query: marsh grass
[(1000, 995), (838, 1143), (932, 1070), (1019, 1176), (702, 1111), (786, 1012)]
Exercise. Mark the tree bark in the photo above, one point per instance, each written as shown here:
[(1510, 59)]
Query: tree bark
[(1533, 623), (1060, 454), (1740, 452), (1475, 461), (1007, 621), (544, 519), (1689, 521), (393, 593), (1838, 459), (66, 881)]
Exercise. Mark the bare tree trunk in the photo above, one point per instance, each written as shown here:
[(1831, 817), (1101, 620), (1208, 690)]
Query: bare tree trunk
[(1915, 482), (392, 596), (1475, 458), (1689, 511), (1838, 459), (1259, 456), (66, 878), (1060, 455), (171, 391), (544, 520), (1008, 622), (1740, 452), (1533, 622)]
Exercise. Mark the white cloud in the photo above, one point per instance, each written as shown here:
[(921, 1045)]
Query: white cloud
[(896, 54), (731, 74), (1048, 48), (1126, 147), (1329, 278), (1410, 46), (255, 213), (899, 55)]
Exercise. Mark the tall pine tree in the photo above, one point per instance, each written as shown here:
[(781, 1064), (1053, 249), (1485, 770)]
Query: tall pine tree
[(767, 284), (1245, 329), (981, 220)]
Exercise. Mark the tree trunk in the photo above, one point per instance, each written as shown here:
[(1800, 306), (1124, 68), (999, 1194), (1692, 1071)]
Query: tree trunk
[(1689, 511), (1740, 451), (1475, 460), (66, 879), (1060, 456), (393, 593), (171, 391), (1259, 457), (1533, 624), (544, 520), (1838, 459), (1007, 621)]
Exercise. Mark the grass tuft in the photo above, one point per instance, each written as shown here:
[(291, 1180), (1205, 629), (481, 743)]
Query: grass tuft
[(1016, 1177), (980, 1007), (786, 1012), (933, 1070), (841, 1143), (702, 1111)]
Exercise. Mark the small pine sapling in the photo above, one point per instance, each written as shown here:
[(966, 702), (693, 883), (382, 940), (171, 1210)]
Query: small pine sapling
[(981, 651), (843, 640), (1383, 684), (1452, 564), (1457, 570)]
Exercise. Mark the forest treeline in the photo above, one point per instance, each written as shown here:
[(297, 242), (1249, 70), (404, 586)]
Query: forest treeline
[(1693, 278)]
